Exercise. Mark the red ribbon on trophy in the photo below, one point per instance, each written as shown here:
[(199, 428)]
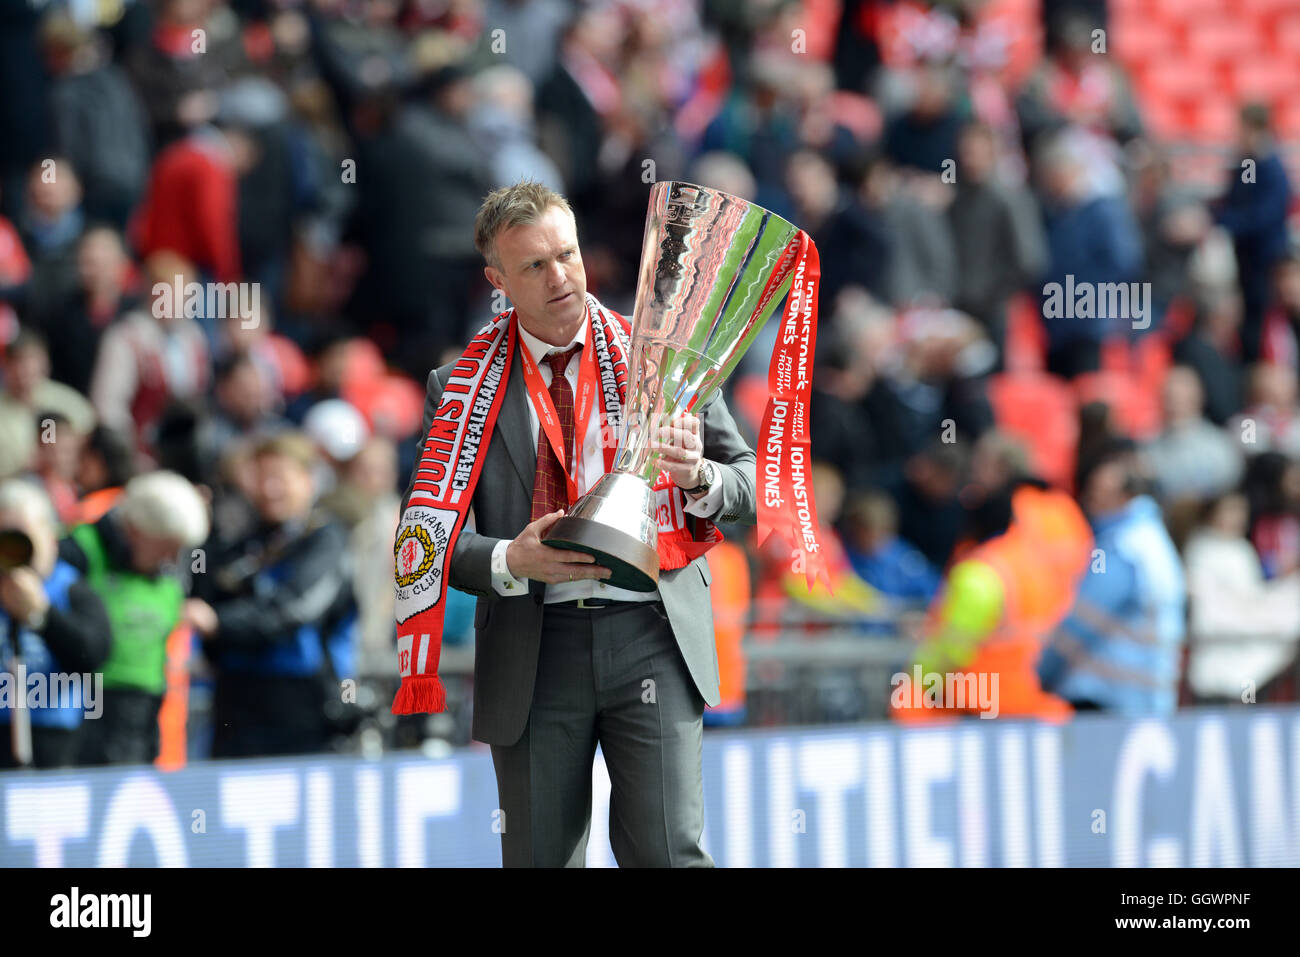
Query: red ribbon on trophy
[(784, 470)]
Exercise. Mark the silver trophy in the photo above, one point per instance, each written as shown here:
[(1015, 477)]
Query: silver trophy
[(713, 268)]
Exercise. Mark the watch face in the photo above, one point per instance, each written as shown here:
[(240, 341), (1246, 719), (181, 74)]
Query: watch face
[(709, 473)]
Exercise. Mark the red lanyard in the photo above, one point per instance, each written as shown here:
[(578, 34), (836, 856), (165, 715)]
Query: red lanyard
[(546, 414)]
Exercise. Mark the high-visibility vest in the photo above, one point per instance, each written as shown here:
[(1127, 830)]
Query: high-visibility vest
[(730, 596), (1038, 562)]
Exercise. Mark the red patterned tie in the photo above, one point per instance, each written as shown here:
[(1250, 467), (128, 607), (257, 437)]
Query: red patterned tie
[(550, 491)]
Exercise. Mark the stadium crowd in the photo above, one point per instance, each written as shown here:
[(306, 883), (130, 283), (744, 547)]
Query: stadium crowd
[(211, 493)]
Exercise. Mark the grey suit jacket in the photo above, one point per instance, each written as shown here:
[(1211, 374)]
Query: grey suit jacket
[(508, 630)]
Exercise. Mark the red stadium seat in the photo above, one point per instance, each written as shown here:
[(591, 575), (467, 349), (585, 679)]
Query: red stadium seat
[(1188, 11), (1265, 78), (1220, 40), (1142, 40), (1177, 79), (1041, 410), (1213, 121), (1285, 34), (1286, 119), (1026, 346)]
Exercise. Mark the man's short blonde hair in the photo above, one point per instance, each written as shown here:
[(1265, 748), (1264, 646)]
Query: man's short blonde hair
[(522, 204)]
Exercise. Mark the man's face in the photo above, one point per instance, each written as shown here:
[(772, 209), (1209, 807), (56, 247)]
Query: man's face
[(542, 274), (25, 370), (1105, 492), (149, 553), (284, 489)]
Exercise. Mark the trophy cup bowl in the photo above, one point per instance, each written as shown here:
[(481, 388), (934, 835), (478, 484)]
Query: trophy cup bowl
[(713, 268)]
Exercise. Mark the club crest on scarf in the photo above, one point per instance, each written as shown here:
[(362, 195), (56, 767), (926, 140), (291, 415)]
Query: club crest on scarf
[(421, 542)]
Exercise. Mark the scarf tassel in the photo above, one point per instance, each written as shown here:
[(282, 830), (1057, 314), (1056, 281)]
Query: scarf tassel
[(420, 694)]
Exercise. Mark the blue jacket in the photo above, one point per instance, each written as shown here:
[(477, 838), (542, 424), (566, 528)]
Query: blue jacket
[(295, 594), (39, 660), (1255, 214), (1129, 614), (1096, 241), (896, 569)]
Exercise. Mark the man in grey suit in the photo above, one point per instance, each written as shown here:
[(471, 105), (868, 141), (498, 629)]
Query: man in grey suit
[(564, 661)]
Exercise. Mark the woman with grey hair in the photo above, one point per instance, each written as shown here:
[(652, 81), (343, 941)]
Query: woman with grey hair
[(59, 627), (131, 558)]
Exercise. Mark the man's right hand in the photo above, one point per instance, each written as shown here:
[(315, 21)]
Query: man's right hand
[(527, 557)]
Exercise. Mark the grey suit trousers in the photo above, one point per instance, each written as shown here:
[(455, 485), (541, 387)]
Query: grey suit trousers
[(615, 676)]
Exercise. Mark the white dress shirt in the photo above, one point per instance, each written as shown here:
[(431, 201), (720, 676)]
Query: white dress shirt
[(590, 467)]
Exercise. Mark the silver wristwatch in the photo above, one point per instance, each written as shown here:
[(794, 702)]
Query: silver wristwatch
[(708, 476)]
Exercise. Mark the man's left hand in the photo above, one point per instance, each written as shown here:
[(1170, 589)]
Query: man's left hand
[(682, 449)]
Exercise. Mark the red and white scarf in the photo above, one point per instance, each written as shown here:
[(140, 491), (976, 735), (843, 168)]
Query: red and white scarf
[(461, 430)]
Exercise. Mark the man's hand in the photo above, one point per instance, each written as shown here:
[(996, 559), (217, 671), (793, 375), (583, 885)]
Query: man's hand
[(527, 557), (199, 615), (682, 449), (22, 594)]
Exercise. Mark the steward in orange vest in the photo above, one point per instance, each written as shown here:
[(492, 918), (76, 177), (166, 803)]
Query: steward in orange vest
[(999, 604)]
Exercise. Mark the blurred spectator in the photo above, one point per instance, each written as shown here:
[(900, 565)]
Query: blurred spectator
[(1092, 239), (1173, 222), (24, 115), (849, 598), (1272, 487), (424, 182), (1074, 85), (1281, 333), (542, 22), (130, 558), (75, 321), (924, 136), (150, 356), (1191, 457), (858, 423), (942, 381), (758, 122), (55, 461), (276, 613), (99, 123), (1243, 629), (923, 263), (186, 57), (105, 464), (1120, 648), (992, 262), (49, 227), (502, 124), (1211, 349), (244, 403), (884, 560), (929, 511), (1253, 210), (28, 388), (1029, 547), (60, 625), (851, 240), (191, 202), (329, 366), (1271, 419)]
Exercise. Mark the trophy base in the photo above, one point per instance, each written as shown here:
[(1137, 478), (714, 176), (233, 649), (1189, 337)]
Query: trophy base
[(635, 566), (614, 524)]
